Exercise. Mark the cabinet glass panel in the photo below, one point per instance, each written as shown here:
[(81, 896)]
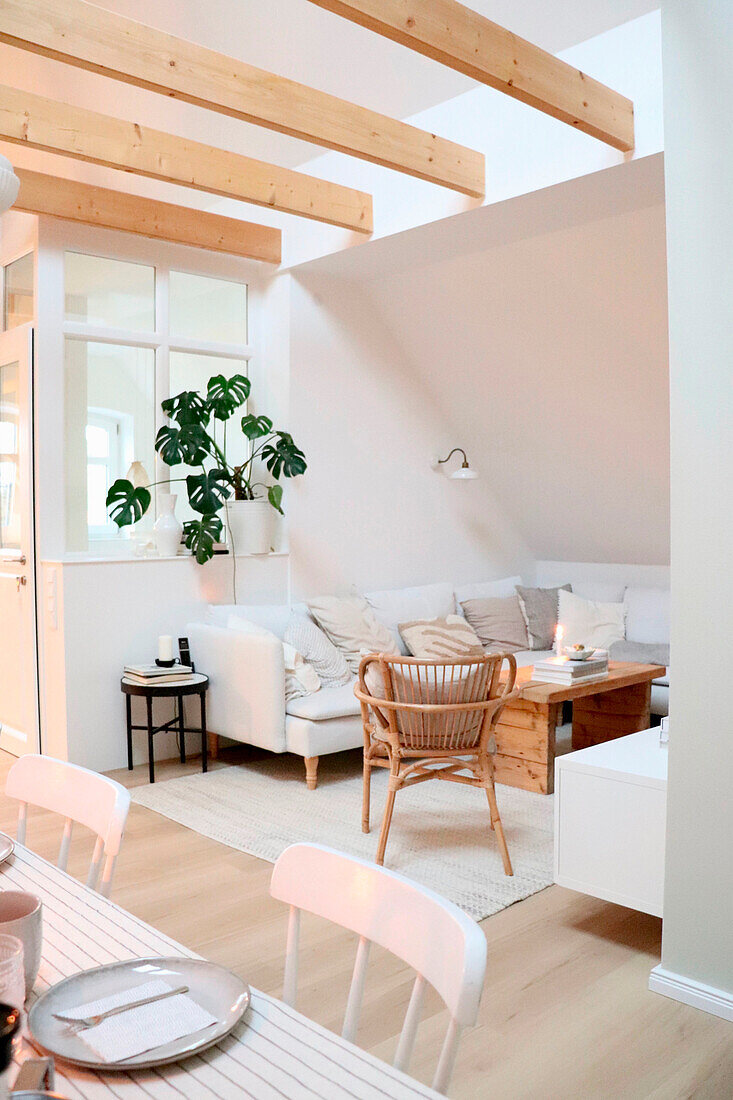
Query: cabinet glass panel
[(213, 311), (18, 306), (9, 465), (109, 293), (109, 411)]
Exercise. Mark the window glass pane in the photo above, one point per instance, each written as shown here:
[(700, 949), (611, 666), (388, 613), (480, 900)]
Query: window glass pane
[(192, 372), (210, 310), (109, 409), (111, 293), (9, 470), (18, 297)]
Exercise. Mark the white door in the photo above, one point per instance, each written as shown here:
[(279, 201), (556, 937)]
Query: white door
[(18, 661)]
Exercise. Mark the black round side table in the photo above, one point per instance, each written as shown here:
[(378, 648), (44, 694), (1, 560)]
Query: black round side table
[(197, 685)]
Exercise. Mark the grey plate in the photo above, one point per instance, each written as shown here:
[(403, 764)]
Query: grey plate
[(7, 847), (224, 995)]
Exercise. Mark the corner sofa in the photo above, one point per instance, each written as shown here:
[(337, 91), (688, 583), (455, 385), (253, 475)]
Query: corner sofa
[(246, 701)]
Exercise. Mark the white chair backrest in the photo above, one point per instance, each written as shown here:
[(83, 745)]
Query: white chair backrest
[(80, 796), (429, 933)]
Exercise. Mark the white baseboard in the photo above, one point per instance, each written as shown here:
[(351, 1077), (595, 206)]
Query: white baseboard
[(689, 992)]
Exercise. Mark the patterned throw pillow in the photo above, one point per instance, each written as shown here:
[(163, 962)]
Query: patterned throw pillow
[(315, 648), (352, 626), (447, 639)]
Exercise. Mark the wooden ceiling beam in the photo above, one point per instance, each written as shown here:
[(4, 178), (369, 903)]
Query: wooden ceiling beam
[(33, 120), (81, 202), (101, 41), (466, 41)]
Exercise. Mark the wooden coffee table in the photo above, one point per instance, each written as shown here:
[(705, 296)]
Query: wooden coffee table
[(525, 733)]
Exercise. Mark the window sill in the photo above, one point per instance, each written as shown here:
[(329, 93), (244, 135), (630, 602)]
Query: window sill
[(116, 559)]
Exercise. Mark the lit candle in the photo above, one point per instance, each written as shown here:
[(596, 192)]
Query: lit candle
[(165, 648), (558, 640)]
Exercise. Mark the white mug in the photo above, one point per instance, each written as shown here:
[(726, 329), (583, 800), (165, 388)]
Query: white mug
[(20, 916)]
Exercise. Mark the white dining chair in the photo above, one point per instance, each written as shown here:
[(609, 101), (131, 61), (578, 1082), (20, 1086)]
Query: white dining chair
[(429, 933), (80, 796)]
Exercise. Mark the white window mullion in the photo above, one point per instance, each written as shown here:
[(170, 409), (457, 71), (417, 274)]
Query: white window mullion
[(162, 359)]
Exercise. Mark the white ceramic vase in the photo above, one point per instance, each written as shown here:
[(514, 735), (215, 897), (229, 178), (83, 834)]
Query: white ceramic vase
[(167, 530), (250, 526)]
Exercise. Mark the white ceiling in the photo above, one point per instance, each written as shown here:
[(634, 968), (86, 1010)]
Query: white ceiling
[(295, 38)]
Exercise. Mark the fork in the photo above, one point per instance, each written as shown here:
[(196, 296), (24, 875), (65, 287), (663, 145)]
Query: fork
[(81, 1023)]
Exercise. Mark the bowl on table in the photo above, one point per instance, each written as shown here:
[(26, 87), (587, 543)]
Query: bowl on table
[(578, 652)]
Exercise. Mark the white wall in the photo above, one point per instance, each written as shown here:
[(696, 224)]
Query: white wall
[(371, 512), (698, 904), (544, 355)]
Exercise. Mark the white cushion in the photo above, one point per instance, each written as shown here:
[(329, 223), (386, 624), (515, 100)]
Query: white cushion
[(647, 614), (337, 702), (272, 617), (600, 591), (504, 587), (352, 626), (401, 605), (300, 677), (589, 622)]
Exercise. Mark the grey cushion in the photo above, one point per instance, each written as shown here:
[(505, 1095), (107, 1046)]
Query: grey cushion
[(318, 650), (540, 610), (643, 653), (499, 622)]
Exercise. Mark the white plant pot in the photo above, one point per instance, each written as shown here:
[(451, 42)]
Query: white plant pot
[(250, 525), (167, 530)]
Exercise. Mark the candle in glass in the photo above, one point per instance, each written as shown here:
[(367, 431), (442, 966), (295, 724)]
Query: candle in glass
[(558, 640)]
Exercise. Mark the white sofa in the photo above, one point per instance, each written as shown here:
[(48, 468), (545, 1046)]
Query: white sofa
[(246, 700)]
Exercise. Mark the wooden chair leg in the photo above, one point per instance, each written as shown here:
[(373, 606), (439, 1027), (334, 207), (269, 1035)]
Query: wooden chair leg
[(213, 745), (394, 780), (366, 797), (311, 772), (496, 824)]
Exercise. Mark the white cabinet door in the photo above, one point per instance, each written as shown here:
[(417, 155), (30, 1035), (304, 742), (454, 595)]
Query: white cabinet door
[(18, 661)]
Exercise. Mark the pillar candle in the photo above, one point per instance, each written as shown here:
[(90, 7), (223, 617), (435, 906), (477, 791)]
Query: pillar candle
[(165, 648)]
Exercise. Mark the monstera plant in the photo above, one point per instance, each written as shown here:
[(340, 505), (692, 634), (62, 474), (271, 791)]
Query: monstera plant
[(189, 440)]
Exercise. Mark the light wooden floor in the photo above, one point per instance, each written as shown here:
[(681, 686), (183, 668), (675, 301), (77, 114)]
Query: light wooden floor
[(565, 1013)]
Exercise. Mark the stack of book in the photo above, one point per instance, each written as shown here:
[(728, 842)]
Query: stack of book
[(156, 675), (561, 670)]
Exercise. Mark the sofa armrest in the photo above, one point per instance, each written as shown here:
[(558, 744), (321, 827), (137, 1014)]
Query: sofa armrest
[(246, 697)]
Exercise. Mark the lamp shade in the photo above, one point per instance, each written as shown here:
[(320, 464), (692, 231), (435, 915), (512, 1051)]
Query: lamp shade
[(464, 473), (9, 185)]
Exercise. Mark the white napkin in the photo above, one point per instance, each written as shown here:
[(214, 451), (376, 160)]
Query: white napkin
[(144, 1028)]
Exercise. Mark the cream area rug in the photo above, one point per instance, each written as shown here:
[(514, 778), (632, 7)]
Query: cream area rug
[(440, 836)]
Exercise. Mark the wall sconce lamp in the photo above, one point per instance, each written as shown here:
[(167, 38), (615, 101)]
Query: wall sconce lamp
[(464, 471)]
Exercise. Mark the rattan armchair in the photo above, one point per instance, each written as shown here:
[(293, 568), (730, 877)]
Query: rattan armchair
[(433, 720)]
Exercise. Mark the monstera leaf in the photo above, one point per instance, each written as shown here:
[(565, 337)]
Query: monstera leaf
[(284, 457), (200, 536), (224, 395), (208, 491), (127, 504), (189, 444), (275, 497), (254, 427), (187, 408)]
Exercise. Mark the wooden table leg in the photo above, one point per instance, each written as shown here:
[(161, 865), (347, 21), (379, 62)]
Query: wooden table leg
[(611, 714), (525, 746)]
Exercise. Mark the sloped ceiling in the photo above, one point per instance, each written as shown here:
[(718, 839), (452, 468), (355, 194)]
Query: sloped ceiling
[(550, 352)]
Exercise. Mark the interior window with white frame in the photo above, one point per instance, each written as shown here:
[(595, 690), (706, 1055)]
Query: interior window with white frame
[(136, 333)]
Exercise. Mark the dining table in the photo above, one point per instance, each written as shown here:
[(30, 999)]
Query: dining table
[(274, 1053)]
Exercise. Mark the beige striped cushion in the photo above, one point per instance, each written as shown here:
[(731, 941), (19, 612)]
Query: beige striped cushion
[(447, 639)]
